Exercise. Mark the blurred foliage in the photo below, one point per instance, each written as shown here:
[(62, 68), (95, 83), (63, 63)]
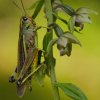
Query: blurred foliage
[(82, 68)]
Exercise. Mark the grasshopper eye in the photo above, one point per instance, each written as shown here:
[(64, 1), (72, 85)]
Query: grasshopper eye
[(24, 18)]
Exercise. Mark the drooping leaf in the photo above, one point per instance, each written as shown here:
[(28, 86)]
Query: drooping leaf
[(83, 10), (50, 45), (47, 38), (72, 38), (58, 30), (50, 63), (64, 21), (72, 91), (71, 24), (38, 8), (67, 9), (58, 17)]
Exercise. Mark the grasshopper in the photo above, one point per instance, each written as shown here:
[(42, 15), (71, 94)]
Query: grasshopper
[(28, 54)]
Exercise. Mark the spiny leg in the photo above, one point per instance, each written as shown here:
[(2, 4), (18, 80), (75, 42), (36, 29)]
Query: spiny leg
[(32, 73), (32, 53)]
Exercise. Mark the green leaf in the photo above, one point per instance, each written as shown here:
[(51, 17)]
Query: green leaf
[(84, 10), (38, 8), (47, 38), (71, 38), (33, 5), (72, 91), (64, 21), (71, 24), (46, 41), (40, 74), (50, 61), (58, 31), (47, 46), (50, 45), (67, 9)]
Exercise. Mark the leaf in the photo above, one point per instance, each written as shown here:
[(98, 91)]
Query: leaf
[(50, 45), (84, 10), (38, 8), (40, 74), (33, 5), (71, 24), (47, 38), (58, 31), (72, 91), (64, 21), (67, 9), (50, 61), (72, 38)]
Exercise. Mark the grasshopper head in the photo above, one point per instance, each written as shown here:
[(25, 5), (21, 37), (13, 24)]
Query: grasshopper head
[(26, 19)]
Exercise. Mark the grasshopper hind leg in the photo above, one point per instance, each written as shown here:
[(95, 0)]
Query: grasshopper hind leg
[(26, 85)]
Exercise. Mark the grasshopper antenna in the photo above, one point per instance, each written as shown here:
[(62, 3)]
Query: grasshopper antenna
[(23, 6), (16, 5)]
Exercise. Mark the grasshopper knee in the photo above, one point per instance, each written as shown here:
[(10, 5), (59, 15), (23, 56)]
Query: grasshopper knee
[(19, 82)]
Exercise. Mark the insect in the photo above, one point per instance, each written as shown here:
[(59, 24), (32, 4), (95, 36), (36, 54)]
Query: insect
[(28, 54)]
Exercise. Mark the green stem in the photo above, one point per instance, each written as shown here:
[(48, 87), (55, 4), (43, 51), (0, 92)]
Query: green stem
[(48, 8)]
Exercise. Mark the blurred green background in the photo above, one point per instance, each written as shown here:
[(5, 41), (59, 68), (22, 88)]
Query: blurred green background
[(82, 68)]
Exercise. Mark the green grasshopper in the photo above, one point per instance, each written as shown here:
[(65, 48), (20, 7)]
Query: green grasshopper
[(28, 54)]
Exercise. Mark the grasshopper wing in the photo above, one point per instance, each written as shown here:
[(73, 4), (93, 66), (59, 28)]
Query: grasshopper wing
[(21, 59)]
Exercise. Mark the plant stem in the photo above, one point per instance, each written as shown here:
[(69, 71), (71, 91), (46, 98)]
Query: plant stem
[(49, 16)]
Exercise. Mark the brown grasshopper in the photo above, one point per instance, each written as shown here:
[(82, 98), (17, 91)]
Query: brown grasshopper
[(28, 54)]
